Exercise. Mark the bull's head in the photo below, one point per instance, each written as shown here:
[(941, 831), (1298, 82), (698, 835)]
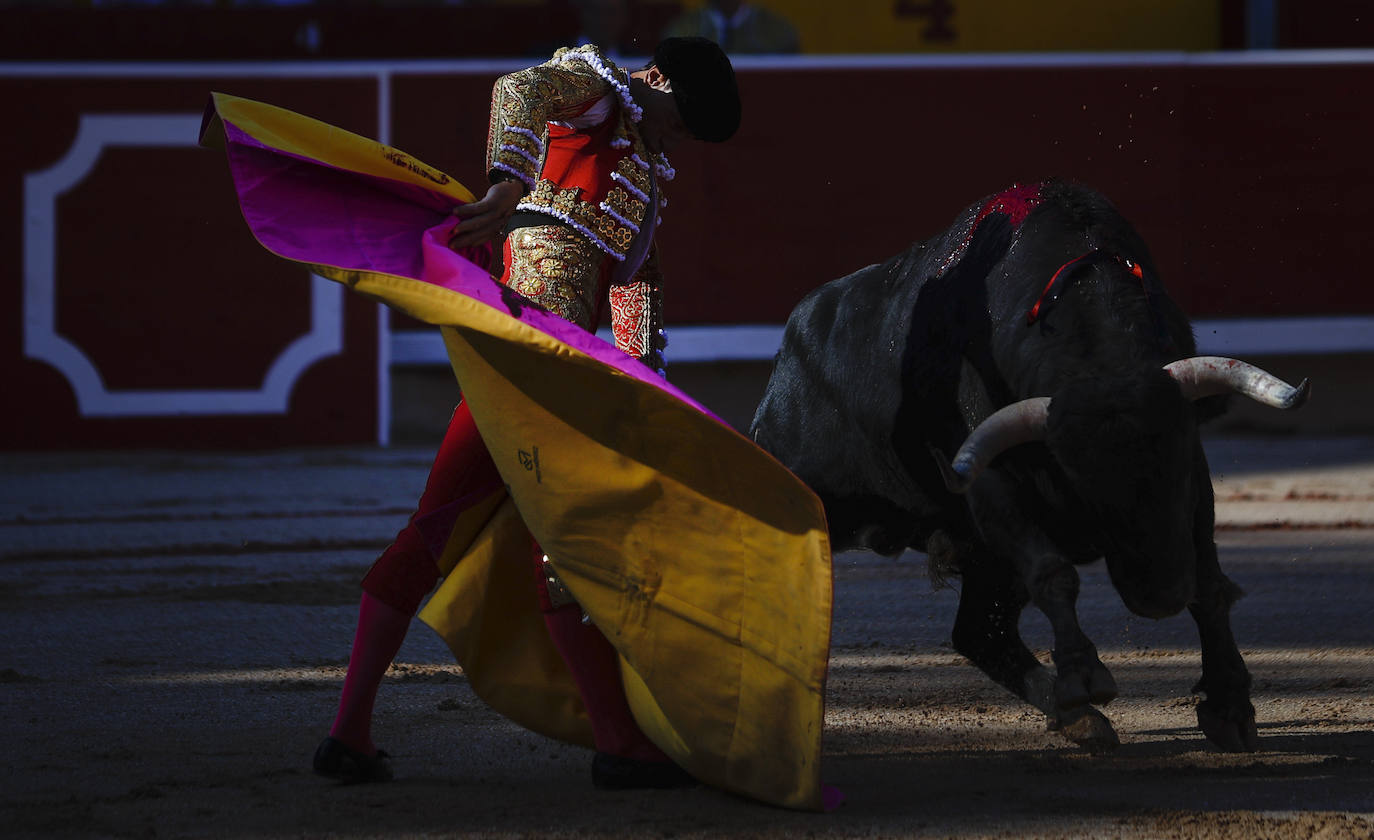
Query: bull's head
[(1027, 420), (1129, 448)]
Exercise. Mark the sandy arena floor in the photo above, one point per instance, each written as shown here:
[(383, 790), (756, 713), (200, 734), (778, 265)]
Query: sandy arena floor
[(176, 625)]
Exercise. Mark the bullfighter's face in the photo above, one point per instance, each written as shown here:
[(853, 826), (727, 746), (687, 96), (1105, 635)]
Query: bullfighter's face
[(661, 126)]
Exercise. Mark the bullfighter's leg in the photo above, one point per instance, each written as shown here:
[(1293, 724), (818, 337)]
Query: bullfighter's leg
[(392, 591), (1226, 715), (625, 757)]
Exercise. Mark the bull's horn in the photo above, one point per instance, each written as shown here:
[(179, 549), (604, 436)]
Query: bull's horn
[(1020, 422), (1205, 376)]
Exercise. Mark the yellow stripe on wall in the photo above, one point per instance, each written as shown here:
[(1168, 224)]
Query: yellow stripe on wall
[(943, 26)]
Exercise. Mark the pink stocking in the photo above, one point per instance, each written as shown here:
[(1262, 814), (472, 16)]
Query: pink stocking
[(396, 584), (381, 629)]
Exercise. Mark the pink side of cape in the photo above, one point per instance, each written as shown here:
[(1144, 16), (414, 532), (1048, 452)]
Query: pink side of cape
[(312, 212)]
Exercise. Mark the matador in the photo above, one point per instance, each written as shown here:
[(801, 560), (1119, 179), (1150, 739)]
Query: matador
[(577, 159)]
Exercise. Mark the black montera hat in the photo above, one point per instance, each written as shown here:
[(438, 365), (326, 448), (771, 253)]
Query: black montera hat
[(703, 85)]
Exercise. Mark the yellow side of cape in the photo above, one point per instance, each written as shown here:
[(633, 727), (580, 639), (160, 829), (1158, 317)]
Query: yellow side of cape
[(295, 134), (703, 561), (486, 610), (700, 557)]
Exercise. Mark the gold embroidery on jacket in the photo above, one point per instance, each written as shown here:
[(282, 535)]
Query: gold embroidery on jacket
[(621, 202), (558, 269), (524, 102), (637, 313)]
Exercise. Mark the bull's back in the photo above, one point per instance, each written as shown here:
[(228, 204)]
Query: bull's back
[(835, 353), (833, 398)]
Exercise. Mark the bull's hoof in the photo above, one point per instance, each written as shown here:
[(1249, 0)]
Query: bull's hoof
[(1232, 730), (1080, 687), (1086, 727)]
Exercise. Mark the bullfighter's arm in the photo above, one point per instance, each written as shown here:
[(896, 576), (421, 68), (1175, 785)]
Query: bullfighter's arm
[(637, 314), (523, 103)]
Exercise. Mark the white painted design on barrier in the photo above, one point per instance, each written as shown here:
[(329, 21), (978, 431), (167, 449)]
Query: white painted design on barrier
[(95, 133)]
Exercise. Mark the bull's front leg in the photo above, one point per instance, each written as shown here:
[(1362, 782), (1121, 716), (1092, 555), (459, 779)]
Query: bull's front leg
[(1225, 714), (1052, 583), (986, 631)]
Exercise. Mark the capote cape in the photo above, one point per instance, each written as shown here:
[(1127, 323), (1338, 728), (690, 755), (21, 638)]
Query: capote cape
[(703, 560)]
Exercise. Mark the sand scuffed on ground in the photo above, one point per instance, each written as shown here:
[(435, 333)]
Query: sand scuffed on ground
[(176, 628)]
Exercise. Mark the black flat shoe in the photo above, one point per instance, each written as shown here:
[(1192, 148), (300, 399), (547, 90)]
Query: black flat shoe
[(337, 761), (611, 772)]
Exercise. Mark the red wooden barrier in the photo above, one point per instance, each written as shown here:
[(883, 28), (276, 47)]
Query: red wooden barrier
[(140, 312)]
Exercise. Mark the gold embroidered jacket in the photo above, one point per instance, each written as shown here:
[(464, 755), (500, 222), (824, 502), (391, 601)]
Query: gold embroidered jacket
[(568, 130)]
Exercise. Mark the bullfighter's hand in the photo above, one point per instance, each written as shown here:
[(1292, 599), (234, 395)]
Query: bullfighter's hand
[(482, 220)]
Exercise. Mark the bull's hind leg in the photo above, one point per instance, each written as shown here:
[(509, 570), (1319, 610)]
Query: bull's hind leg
[(985, 630)]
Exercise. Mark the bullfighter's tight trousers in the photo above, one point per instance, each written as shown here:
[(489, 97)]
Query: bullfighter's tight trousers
[(406, 572)]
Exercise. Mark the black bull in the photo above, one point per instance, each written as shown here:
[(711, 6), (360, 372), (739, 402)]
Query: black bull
[(1040, 312)]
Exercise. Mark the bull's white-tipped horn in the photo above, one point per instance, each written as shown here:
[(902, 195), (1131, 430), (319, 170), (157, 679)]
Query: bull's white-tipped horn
[(1020, 422), (1205, 376)]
